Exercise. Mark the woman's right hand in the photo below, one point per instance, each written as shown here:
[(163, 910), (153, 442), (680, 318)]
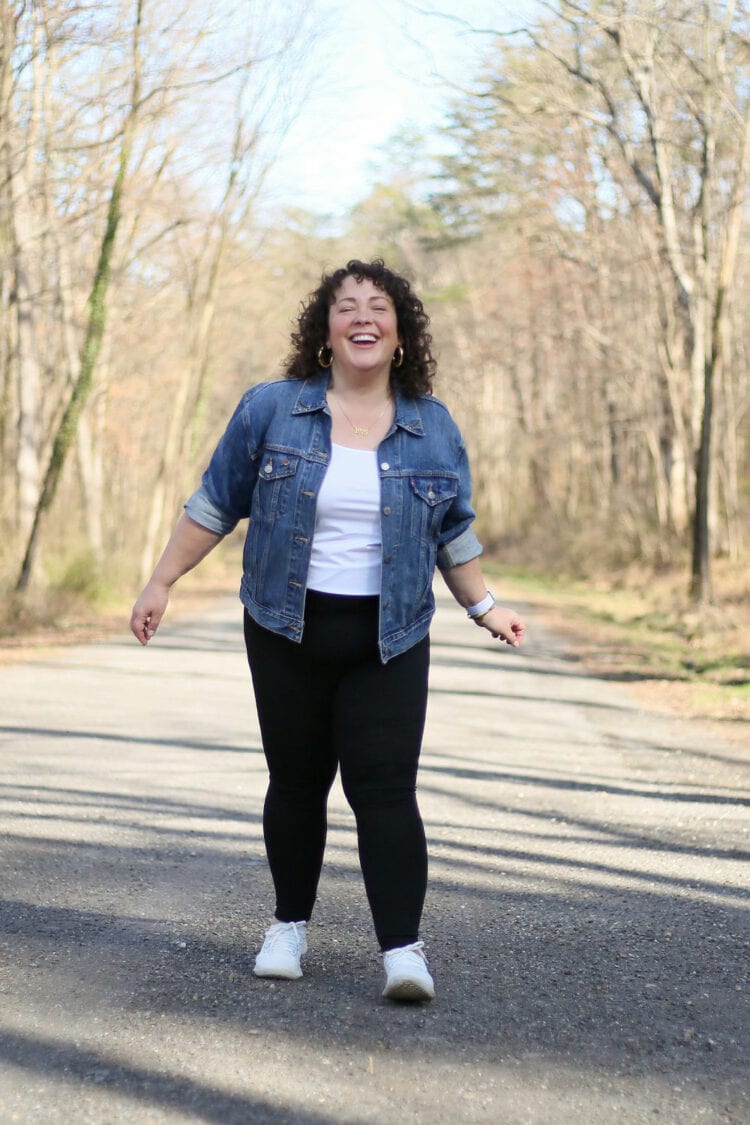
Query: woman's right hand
[(504, 624), (148, 611)]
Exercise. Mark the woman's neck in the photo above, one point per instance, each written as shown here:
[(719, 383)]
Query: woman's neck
[(361, 416), (362, 386)]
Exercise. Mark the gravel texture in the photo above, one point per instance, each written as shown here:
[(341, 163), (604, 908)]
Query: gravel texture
[(587, 918)]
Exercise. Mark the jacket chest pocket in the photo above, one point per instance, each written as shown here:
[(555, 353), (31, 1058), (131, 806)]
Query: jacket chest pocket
[(431, 498), (275, 488)]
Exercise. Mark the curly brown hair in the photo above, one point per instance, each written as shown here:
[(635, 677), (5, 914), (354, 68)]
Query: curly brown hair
[(417, 371)]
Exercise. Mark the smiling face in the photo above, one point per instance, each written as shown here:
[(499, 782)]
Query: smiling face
[(362, 328)]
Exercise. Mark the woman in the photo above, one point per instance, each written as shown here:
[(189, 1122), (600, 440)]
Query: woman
[(356, 483)]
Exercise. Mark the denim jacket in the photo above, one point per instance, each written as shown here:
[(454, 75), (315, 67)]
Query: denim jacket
[(269, 466)]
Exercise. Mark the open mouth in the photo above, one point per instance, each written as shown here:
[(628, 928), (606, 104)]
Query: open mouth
[(364, 338)]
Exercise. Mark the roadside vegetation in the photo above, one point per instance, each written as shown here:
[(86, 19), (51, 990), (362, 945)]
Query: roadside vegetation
[(639, 628)]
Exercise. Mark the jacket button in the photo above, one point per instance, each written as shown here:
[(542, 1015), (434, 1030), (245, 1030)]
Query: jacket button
[(268, 468), (384, 465), (386, 511)]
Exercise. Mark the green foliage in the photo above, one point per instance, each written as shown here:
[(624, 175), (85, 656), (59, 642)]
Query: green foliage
[(456, 291), (83, 576)]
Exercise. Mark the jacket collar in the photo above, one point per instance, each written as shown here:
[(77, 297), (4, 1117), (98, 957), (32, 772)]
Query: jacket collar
[(312, 397)]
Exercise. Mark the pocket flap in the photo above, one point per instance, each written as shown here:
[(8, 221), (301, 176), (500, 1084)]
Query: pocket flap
[(274, 466), (434, 490)]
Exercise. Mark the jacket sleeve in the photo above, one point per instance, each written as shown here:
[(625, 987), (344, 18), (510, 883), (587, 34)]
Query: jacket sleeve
[(457, 542), (226, 490)]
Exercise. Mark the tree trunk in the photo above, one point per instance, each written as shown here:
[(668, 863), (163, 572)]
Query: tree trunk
[(700, 578), (28, 368), (96, 321), (24, 246)]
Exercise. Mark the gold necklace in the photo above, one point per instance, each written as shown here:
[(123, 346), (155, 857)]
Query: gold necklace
[(362, 431)]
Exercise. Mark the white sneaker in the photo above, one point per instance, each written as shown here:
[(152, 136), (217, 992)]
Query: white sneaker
[(284, 944), (407, 976)]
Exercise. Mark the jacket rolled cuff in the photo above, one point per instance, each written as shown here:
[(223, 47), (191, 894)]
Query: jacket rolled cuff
[(462, 549), (201, 508)]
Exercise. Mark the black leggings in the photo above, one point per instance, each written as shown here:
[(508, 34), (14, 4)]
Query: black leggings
[(328, 702)]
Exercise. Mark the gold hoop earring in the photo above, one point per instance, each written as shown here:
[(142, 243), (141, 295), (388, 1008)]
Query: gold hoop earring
[(329, 359), (398, 356)]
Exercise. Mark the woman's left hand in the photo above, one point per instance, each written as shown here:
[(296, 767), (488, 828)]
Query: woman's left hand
[(505, 624)]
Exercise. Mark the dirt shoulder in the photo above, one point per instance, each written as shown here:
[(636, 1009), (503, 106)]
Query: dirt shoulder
[(673, 660), (101, 624), (74, 622), (670, 661)]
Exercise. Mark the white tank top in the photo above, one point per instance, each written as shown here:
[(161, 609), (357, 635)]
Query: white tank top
[(347, 545)]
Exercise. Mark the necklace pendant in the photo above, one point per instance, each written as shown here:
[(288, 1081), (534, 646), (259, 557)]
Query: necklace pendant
[(360, 431)]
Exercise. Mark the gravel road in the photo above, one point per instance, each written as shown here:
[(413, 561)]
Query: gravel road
[(587, 919)]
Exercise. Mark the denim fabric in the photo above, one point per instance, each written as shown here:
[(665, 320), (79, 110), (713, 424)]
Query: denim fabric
[(269, 466)]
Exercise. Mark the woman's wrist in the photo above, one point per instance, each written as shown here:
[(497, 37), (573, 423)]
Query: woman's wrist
[(479, 609), (162, 581)]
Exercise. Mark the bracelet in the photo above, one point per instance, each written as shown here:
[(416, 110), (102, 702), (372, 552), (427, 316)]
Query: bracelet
[(482, 607)]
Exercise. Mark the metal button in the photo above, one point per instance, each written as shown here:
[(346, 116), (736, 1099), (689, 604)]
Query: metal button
[(269, 467), (386, 511), (385, 466)]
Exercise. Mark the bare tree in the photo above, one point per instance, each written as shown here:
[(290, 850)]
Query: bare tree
[(615, 136), (110, 180), (25, 246), (683, 82), (96, 313), (245, 164)]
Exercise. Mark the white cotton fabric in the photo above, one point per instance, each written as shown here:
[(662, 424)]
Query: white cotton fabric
[(347, 545)]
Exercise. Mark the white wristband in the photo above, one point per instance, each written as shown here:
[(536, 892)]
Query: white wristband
[(482, 607)]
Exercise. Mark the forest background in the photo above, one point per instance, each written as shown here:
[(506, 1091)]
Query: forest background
[(577, 228)]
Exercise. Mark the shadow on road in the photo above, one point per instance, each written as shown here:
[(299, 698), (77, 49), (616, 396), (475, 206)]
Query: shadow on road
[(148, 1087), (587, 917)]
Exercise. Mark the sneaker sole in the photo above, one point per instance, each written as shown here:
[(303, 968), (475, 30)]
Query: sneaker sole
[(277, 974), (408, 989)]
